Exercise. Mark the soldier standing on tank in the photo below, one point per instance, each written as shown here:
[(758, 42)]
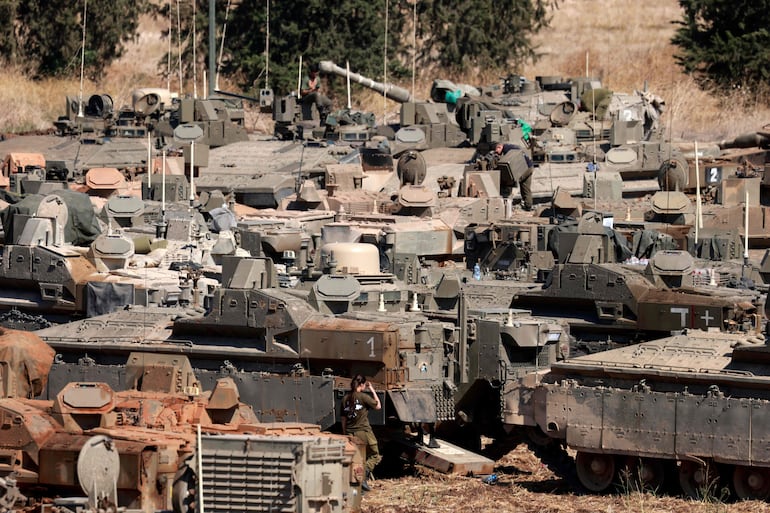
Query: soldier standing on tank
[(310, 92), (525, 182), (355, 420)]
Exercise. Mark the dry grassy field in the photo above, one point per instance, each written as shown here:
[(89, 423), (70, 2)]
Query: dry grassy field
[(624, 42), (525, 485)]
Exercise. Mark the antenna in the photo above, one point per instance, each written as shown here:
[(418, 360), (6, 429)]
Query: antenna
[(163, 188), (414, 42), (222, 44), (160, 225), (194, 44), (149, 160), (82, 58), (593, 131), (746, 230), (212, 86), (299, 78), (385, 65), (267, 45), (168, 53), (698, 211), (192, 174), (179, 45)]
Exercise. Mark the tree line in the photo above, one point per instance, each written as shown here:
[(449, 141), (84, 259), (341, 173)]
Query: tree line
[(721, 43)]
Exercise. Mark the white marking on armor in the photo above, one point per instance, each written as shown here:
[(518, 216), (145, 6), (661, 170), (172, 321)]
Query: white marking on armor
[(682, 313)]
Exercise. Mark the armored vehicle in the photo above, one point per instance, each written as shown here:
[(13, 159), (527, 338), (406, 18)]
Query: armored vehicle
[(303, 345), (643, 300), (691, 406), (137, 448), (422, 124), (295, 120), (261, 175), (59, 265)]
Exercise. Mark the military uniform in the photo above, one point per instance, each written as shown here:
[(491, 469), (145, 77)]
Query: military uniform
[(357, 424), (322, 102)]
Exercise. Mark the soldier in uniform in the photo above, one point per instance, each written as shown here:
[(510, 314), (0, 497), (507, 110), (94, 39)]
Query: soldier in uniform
[(310, 92), (355, 420)]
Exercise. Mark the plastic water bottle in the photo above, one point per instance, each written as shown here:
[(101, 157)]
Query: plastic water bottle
[(490, 479), (477, 271)]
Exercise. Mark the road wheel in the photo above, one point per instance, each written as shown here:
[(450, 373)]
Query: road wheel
[(698, 480), (184, 491), (645, 474), (751, 483), (595, 471)]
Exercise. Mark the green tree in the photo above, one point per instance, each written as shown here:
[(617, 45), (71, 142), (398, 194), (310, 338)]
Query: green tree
[(462, 35), (8, 46), (347, 30), (725, 43), (459, 35), (50, 34)]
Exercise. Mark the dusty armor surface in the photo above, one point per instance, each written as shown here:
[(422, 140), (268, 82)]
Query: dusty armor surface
[(689, 407), (138, 449), (630, 297)]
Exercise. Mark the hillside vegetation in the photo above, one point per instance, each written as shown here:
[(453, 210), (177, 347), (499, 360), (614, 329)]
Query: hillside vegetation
[(626, 43)]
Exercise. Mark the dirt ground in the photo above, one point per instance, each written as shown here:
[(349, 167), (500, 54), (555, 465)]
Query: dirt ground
[(525, 485)]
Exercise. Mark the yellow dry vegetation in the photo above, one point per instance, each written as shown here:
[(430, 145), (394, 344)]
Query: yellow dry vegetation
[(626, 43), (525, 485)]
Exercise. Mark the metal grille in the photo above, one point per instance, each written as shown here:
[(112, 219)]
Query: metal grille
[(240, 482), (546, 355), (702, 278), (321, 453), (445, 404), (273, 473)]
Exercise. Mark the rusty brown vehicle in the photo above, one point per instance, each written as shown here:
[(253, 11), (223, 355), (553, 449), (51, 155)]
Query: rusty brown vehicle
[(160, 444)]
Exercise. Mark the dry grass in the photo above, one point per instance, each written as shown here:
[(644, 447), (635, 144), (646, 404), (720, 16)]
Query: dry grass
[(525, 486), (624, 42)]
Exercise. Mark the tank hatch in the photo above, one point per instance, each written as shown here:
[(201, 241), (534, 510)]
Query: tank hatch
[(671, 202)]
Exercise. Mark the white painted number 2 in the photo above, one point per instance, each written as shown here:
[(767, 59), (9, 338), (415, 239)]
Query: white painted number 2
[(713, 175), (370, 343)]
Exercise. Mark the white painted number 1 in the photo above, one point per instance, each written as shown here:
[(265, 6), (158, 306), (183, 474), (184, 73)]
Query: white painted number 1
[(370, 343)]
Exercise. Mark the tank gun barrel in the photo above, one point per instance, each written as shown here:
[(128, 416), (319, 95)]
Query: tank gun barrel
[(750, 140), (391, 91)]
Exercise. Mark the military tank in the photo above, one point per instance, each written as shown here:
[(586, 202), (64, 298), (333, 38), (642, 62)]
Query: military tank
[(138, 449), (301, 346), (60, 266), (621, 298), (688, 408)]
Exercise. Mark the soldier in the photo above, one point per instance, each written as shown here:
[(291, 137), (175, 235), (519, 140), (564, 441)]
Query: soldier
[(355, 420), (525, 182), (310, 92)]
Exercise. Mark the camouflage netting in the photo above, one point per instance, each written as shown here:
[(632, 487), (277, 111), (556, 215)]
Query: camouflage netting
[(82, 226)]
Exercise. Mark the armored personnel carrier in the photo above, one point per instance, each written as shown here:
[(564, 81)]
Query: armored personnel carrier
[(59, 265), (301, 346), (688, 408), (138, 449), (643, 300)]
